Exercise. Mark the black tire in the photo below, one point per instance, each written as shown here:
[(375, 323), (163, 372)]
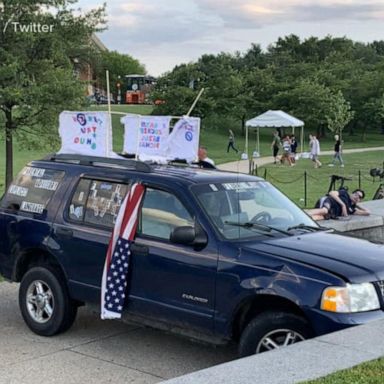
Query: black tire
[(45, 303), (272, 328)]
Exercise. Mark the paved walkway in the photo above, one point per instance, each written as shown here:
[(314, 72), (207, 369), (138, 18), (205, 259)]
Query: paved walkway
[(95, 351), (242, 166)]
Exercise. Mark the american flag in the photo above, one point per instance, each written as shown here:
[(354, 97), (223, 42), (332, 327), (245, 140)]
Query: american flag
[(114, 281)]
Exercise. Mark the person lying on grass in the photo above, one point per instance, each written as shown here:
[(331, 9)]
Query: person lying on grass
[(339, 204)]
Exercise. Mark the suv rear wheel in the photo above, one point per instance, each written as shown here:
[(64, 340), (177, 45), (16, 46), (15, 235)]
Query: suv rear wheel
[(272, 330), (44, 302)]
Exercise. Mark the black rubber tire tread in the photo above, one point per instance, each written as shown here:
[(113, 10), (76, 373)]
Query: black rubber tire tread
[(65, 310), (266, 322)]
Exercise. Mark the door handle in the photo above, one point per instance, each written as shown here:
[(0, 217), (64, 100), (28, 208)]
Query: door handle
[(140, 250), (64, 232)]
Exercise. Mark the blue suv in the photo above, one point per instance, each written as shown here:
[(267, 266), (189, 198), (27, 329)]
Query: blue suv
[(219, 256)]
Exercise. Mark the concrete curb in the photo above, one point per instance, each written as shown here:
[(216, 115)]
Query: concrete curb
[(304, 361)]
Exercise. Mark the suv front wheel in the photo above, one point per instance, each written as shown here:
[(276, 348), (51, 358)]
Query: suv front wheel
[(272, 330), (44, 302)]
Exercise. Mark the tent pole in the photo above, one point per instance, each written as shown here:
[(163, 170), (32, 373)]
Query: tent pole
[(302, 139), (246, 141), (258, 140)]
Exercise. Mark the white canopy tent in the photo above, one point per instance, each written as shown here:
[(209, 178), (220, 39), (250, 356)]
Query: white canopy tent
[(273, 119)]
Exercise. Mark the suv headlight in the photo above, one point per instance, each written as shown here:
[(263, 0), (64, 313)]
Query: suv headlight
[(352, 298)]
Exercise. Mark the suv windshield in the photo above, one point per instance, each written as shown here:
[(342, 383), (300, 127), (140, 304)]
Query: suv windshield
[(249, 208)]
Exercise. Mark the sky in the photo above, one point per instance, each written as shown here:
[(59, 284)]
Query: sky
[(164, 33)]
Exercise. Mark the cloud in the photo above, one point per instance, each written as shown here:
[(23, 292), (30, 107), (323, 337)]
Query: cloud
[(168, 22), (161, 34), (258, 13)]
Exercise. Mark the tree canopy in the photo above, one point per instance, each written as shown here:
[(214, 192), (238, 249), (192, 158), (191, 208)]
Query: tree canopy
[(330, 83), (37, 78), (119, 65)]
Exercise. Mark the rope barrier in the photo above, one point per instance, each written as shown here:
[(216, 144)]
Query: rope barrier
[(285, 182)]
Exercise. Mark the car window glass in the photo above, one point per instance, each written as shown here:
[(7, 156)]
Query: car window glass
[(246, 202), (32, 189), (97, 202), (161, 213)]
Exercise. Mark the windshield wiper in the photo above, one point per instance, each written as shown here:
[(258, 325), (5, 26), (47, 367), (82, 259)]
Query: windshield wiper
[(262, 227), (308, 227)]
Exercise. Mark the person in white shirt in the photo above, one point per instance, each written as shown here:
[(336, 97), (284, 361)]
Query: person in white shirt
[(315, 150), (202, 155)]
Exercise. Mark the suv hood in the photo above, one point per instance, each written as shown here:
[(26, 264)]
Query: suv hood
[(355, 260)]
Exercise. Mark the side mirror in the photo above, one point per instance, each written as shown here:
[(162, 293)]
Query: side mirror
[(183, 235), (189, 235)]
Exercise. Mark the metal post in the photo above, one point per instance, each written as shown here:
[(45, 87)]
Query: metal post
[(305, 189), (359, 179), (265, 173)]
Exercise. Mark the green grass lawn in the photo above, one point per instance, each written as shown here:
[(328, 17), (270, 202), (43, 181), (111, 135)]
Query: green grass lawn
[(290, 180), (367, 373), (216, 142)]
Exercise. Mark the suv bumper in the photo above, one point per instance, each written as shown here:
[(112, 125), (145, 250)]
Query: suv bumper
[(326, 322)]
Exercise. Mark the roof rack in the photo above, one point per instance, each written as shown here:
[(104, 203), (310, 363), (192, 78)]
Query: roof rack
[(199, 164), (136, 165)]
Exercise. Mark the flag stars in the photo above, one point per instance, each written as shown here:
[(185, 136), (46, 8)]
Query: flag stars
[(116, 278)]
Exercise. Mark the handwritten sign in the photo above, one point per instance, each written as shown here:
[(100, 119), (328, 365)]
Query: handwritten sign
[(131, 132), (17, 190), (183, 142), (85, 133), (28, 206), (153, 135)]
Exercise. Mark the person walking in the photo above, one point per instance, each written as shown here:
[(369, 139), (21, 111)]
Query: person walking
[(314, 145), (231, 141), (286, 151), (275, 146), (337, 154), (293, 148)]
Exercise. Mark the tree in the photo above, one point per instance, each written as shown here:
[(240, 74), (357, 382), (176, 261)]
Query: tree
[(119, 65), (339, 115), (37, 79), (310, 102)]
